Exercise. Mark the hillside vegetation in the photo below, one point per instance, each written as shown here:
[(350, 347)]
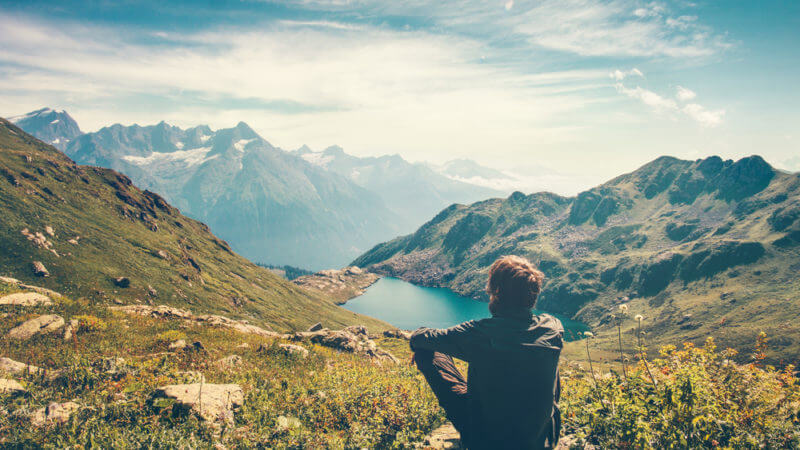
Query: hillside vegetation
[(706, 247), (99, 237), (115, 380)]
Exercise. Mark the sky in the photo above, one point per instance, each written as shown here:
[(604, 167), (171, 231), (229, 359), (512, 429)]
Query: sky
[(564, 93)]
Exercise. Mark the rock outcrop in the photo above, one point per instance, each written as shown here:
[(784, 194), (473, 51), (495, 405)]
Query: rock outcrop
[(291, 349), (58, 413), (26, 299), (41, 325), (339, 285), (169, 312), (9, 366), (354, 339), (11, 387), (214, 403), (40, 270)]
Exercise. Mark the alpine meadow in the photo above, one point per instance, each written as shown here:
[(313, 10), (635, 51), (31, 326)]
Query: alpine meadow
[(378, 225)]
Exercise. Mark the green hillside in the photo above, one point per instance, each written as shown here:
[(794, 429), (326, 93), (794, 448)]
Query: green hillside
[(706, 247), (104, 228)]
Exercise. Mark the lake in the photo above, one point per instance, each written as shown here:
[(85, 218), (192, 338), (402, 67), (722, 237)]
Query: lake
[(408, 306)]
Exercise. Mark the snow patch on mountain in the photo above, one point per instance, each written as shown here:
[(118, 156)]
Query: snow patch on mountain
[(242, 143), (318, 158), (189, 158)]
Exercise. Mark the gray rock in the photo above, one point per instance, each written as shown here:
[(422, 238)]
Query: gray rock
[(8, 365), (71, 329), (291, 349), (11, 387), (122, 282), (358, 330), (41, 325), (178, 345), (58, 413), (26, 299), (40, 270), (212, 402), (399, 334), (316, 327)]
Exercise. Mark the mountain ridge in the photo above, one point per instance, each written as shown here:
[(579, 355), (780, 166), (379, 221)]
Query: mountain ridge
[(95, 235), (712, 239)]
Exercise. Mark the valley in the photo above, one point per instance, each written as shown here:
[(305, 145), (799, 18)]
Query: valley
[(699, 248), (314, 210)]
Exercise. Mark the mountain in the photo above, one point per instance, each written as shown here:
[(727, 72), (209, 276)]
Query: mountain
[(466, 169), (414, 191), (273, 207), (57, 128), (698, 247), (101, 238)]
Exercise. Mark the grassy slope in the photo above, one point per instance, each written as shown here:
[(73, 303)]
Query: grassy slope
[(114, 220), (341, 400), (676, 237)]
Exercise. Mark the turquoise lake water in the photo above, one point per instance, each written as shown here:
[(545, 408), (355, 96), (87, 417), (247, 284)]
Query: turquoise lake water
[(408, 306)]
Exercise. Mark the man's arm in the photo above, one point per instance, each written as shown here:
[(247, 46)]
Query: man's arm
[(458, 341)]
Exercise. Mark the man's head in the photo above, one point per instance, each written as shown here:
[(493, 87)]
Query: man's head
[(514, 285)]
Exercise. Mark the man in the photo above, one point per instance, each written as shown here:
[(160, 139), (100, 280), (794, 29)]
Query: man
[(510, 398)]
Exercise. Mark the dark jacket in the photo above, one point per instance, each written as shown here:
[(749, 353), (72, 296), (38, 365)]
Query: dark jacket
[(512, 383)]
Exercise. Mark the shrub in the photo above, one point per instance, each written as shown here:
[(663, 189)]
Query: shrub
[(701, 399)]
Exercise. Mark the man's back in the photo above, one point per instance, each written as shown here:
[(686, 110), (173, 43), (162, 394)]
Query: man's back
[(513, 377)]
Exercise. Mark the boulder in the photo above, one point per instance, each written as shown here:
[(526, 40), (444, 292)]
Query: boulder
[(40, 270), (8, 365), (11, 387), (10, 280), (178, 345), (399, 334), (291, 349), (58, 413), (26, 299), (358, 330), (41, 325), (122, 282), (316, 327), (212, 402), (71, 328)]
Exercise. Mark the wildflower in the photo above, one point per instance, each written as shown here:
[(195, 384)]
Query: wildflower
[(639, 318), (588, 334), (623, 308)]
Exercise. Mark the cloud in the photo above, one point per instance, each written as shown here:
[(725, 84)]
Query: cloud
[(368, 89), (704, 116), (685, 94), (509, 4), (648, 97), (661, 104), (620, 75)]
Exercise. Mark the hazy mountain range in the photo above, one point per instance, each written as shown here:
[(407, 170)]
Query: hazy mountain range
[(57, 128), (302, 208), (90, 228), (706, 247)]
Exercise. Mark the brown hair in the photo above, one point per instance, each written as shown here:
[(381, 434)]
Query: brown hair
[(514, 285)]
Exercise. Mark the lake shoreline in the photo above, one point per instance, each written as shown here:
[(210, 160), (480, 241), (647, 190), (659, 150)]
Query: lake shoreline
[(408, 306)]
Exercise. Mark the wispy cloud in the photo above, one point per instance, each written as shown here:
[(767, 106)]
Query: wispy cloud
[(303, 82), (684, 94), (662, 104), (620, 75)]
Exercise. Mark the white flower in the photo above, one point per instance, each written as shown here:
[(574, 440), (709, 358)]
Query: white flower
[(639, 317), (624, 308), (588, 334)]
